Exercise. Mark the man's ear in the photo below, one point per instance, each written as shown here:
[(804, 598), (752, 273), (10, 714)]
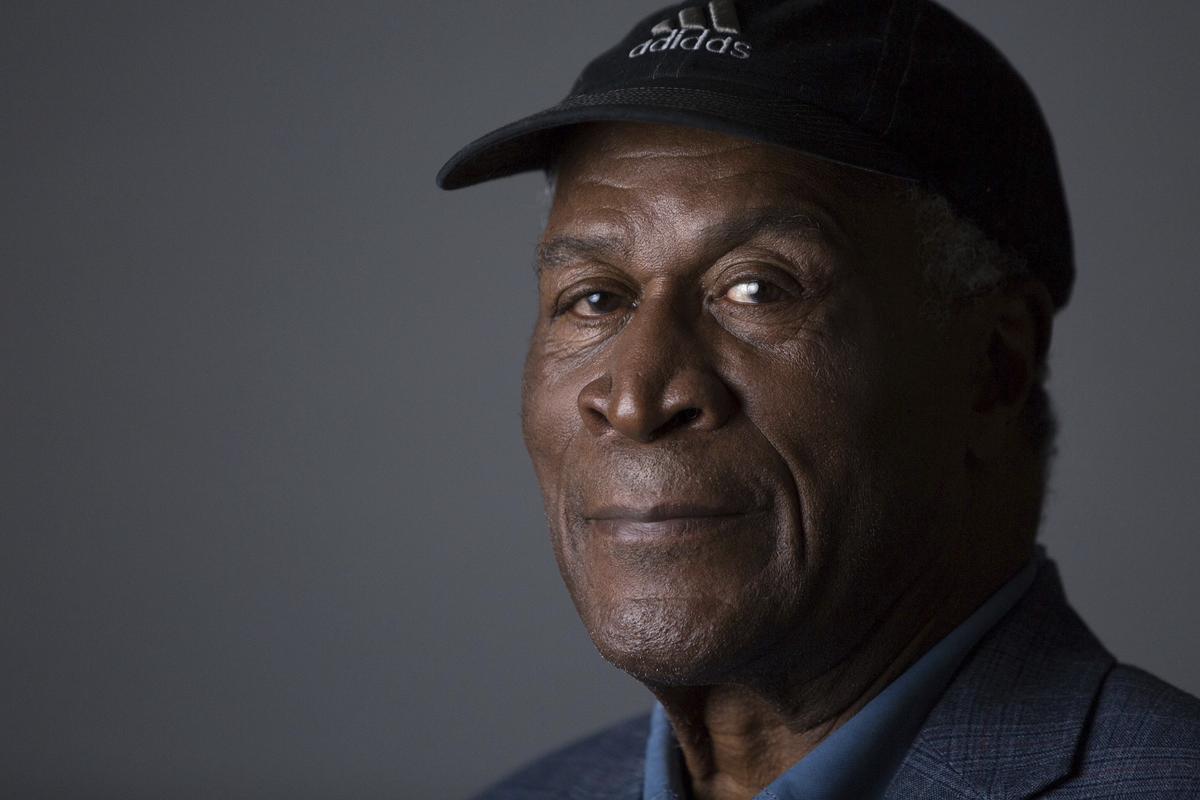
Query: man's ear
[(1018, 317)]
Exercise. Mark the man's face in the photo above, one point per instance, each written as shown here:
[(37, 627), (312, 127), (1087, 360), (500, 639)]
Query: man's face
[(745, 429)]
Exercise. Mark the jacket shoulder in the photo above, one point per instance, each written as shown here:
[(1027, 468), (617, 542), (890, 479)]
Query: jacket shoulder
[(606, 764), (1134, 702), (1144, 741)]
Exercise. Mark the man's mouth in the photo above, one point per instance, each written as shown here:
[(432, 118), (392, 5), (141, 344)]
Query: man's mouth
[(667, 521), (663, 511)]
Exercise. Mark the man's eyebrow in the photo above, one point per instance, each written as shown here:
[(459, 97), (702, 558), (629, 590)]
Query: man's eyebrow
[(560, 250)]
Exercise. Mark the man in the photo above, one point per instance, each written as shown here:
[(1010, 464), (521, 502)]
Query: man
[(784, 398)]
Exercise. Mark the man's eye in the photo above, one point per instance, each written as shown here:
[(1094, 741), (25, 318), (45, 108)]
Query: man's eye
[(754, 292), (596, 304)]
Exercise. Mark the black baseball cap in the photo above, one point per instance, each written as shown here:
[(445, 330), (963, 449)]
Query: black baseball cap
[(899, 87)]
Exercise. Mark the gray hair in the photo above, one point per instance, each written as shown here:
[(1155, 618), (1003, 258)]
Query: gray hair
[(961, 261)]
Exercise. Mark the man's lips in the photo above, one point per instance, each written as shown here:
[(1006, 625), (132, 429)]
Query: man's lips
[(664, 523), (662, 511)]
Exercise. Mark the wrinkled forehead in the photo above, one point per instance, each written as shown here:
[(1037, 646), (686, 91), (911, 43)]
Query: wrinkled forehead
[(673, 178)]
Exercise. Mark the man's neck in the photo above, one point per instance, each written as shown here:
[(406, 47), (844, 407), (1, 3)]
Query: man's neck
[(737, 737)]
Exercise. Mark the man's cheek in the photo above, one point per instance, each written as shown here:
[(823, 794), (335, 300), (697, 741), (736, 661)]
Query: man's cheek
[(547, 426)]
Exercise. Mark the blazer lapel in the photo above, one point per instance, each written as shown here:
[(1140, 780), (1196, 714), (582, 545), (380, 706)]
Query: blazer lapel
[(1012, 719)]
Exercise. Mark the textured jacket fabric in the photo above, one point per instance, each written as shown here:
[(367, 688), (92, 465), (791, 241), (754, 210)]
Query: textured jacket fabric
[(1038, 709)]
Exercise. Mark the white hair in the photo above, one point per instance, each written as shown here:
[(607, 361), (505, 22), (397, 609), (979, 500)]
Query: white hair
[(961, 261)]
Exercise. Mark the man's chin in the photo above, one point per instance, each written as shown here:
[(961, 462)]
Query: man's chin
[(660, 643)]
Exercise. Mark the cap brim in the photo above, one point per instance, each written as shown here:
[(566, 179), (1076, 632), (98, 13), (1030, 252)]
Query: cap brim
[(529, 143)]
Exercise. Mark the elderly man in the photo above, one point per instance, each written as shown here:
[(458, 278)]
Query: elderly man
[(784, 398)]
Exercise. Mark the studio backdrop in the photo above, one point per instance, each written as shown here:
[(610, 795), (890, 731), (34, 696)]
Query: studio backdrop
[(269, 529)]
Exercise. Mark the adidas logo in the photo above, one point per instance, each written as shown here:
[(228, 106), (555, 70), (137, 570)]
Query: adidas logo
[(715, 34)]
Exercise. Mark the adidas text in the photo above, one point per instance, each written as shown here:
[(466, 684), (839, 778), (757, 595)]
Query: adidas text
[(715, 32), (697, 41)]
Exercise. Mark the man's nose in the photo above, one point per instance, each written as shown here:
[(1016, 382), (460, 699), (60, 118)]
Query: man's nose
[(659, 379)]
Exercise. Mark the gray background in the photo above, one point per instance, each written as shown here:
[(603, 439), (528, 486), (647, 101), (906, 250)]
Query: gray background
[(268, 526)]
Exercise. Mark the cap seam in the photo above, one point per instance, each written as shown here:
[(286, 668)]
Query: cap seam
[(912, 47), (887, 36)]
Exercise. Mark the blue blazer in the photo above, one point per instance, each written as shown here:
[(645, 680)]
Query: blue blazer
[(1038, 709)]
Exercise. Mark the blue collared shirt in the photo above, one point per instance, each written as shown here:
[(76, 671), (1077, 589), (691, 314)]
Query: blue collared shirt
[(856, 761)]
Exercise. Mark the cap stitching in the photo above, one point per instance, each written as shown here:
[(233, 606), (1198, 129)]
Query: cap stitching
[(912, 46), (779, 109), (887, 36)]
